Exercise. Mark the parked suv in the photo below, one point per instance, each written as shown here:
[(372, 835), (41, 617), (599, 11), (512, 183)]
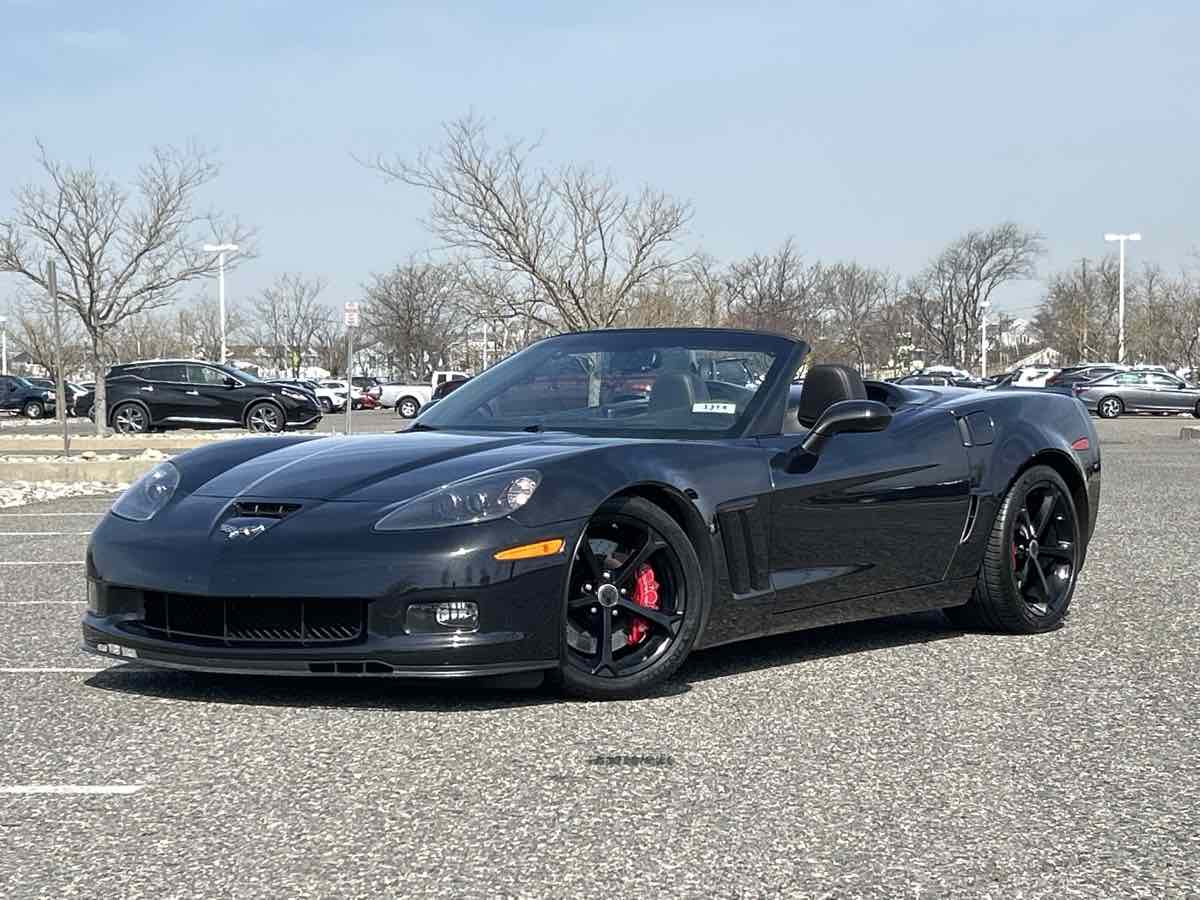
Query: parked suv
[(21, 396), (187, 393)]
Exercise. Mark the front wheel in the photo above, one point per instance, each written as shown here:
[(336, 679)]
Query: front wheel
[(33, 409), (635, 602), (264, 418), (326, 406), (1110, 407), (1031, 562), (1196, 410), (129, 418), (408, 407)]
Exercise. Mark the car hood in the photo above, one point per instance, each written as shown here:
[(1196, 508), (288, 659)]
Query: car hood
[(383, 468)]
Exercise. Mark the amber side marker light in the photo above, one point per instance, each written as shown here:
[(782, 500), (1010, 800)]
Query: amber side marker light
[(1081, 444), (531, 551)]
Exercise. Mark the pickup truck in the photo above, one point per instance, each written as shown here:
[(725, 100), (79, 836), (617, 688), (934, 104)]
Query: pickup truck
[(409, 398)]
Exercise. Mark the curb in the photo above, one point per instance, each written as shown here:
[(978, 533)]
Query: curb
[(1189, 433), (116, 470)]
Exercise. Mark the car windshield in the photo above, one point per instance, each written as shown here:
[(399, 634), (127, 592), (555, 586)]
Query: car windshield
[(653, 383), (245, 377)]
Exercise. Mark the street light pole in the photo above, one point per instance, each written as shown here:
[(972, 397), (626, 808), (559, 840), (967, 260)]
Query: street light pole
[(221, 250), (3, 345), (983, 306), (1122, 238)]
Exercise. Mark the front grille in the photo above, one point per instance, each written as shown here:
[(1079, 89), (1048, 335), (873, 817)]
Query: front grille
[(252, 620), (257, 510)]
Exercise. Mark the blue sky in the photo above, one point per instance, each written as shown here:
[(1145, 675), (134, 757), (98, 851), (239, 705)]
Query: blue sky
[(873, 131)]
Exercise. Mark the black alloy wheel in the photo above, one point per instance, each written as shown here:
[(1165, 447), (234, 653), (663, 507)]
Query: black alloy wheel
[(408, 407), (264, 418), (1196, 410), (326, 406), (1031, 561), (1110, 407), (129, 418), (33, 409), (615, 647)]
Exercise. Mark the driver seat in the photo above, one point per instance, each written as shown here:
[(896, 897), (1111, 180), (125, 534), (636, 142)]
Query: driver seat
[(825, 386)]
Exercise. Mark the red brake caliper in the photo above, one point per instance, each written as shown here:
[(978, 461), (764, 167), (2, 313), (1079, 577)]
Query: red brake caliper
[(645, 593)]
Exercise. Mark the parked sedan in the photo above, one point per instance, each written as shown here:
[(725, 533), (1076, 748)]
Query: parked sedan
[(1138, 392)]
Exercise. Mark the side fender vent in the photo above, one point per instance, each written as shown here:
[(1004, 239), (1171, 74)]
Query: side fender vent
[(745, 541)]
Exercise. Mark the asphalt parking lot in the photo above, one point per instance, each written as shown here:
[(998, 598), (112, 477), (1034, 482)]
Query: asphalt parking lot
[(899, 758)]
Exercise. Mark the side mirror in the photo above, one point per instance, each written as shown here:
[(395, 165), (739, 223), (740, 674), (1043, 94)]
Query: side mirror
[(847, 416), (229, 381)]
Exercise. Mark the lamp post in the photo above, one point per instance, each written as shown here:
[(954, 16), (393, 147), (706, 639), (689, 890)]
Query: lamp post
[(3, 345), (221, 250), (1122, 238), (984, 305)]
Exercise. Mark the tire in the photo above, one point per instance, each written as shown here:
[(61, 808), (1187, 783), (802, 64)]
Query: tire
[(1196, 410), (326, 406), (33, 409), (408, 407), (597, 604), (130, 418), (1110, 407), (265, 418), (1027, 538)]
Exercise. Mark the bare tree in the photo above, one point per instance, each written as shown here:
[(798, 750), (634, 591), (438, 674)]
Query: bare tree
[(34, 334), (289, 314), (776, 292), (854, 295), (582, 247), (121, 251), (1078, 315), (947, 296), (198, 326), (414, 311)]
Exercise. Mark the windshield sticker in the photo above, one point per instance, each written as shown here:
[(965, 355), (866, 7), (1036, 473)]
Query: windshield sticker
[(727, 409)]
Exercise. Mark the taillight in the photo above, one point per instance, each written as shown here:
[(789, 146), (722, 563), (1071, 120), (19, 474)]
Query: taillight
[(1081, 444)]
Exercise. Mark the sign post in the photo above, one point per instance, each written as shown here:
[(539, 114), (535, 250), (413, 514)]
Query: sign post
[(350, 317)]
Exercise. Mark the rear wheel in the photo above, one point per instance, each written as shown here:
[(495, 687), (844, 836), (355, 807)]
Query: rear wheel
[(1031, 561), (408, 407), (1196, 410), (264, 418), (635, 601), (1110, 407), (33, 409), (129, 418), (326, 406)]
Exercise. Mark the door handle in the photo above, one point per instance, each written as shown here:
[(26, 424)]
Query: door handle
[(192, 393), (146, 388)]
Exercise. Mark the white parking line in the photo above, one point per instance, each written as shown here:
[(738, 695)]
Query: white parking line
[(45, 562), (53, 669), (71, 789), (4, 515), (40, 533), (39, 602)]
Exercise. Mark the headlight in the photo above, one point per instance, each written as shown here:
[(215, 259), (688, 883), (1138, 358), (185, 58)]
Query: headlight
[(478, 499), (296, 395), (47, 395), (148, 494)]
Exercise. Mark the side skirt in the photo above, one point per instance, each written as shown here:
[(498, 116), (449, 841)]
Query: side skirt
[(939, 595)]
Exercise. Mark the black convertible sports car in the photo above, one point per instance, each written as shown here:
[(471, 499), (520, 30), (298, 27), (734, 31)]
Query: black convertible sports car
[(523, 527)]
